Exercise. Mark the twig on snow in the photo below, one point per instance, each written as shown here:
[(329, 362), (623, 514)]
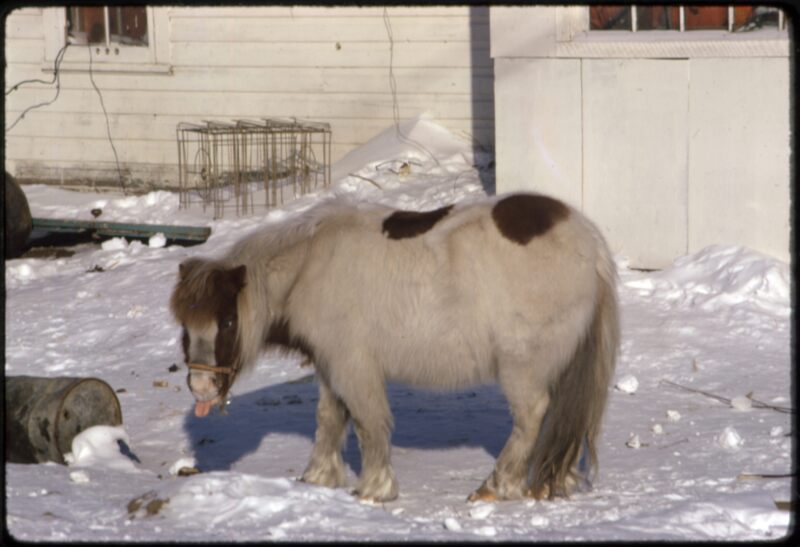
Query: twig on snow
[(366, 179), (753, 476), (756, 403)]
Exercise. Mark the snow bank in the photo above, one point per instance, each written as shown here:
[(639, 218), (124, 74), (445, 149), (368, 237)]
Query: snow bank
[(419, 141), (280, 507), (719, 277), (159, 207)]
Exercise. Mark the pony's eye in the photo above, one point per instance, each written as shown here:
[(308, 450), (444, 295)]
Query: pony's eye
[(228, 323)]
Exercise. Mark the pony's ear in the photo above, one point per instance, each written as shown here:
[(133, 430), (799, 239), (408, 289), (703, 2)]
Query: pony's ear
[(185, 267), (237, 276)]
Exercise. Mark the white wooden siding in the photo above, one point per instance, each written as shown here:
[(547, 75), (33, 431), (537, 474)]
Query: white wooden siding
[(634, 167), (325, 64)]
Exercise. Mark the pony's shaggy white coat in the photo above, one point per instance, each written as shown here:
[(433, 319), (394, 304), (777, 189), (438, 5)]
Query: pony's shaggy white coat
[(457, 305)]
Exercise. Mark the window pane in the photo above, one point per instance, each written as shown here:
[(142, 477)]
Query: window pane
[(86, 25), (657, 17), (701, 18), (750, 18), (128, 25), (610, 18)]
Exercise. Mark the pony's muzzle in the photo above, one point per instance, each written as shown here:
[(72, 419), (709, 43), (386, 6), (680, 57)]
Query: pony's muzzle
[(205, 390)]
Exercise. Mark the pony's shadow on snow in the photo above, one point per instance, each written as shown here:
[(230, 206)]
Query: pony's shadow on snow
[(476, 417)]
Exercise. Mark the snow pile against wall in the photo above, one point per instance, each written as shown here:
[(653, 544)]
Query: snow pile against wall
[(719, 277)]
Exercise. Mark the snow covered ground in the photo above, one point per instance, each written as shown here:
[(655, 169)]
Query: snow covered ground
[(671, 460)]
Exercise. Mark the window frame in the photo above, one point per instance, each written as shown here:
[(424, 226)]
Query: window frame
[(153, 58), (575, 39)]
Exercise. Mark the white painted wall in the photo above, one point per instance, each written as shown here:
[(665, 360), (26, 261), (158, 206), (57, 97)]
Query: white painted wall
[(669, 142), (221, 63)]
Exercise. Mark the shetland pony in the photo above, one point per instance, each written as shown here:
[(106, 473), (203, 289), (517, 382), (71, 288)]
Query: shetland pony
[(517, 289)]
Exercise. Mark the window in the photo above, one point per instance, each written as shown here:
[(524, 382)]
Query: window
[(119, 39), (670, 32), (107, 26), (685, 18)]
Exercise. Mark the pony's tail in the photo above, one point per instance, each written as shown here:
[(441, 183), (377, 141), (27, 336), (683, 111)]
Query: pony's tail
[(578, 396)]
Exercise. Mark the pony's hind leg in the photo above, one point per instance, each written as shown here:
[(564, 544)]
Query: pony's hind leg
[(326, 467), (528, 401)]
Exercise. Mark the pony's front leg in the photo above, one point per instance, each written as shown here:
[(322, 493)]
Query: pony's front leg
[(369, 408), (509, 479), (326, 467)]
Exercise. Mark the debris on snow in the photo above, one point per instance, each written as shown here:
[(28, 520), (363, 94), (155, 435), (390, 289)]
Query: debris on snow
[(730, 439), (673, 415), (481, 510), (742, 403), (452, 524), (114, 244), (540, 520), (633, 441), (182, 463), (657, 429), (79, 477), (157, 241), (627, 384)]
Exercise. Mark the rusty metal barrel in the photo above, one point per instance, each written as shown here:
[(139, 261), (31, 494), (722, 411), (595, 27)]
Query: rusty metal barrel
[(43, 415)]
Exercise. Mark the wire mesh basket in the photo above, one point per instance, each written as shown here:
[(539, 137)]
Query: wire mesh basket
[(236, 164)]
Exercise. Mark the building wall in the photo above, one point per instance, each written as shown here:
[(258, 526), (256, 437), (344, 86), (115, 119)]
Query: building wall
[(670, 143), (223, 63)]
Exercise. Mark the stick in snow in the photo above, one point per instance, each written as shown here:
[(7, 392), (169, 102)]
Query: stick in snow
[(756, 403)]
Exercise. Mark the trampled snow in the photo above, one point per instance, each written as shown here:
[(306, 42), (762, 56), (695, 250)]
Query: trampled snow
[(717, 320)]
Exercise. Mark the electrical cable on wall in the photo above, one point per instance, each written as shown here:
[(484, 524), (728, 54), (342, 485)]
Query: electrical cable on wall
[(108, 123), (393, 87), (57, 80)]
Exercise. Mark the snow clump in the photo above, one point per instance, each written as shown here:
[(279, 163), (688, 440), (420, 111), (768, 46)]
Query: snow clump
[(628, 384), (730, 439)]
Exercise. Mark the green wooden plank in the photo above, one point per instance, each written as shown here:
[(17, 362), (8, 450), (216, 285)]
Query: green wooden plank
[(122, 229)]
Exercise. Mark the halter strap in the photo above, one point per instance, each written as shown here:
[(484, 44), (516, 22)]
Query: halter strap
[(211, 368)]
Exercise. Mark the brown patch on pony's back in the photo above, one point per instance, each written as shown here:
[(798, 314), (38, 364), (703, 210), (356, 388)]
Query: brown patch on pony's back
[(522, 217), (405, 224)]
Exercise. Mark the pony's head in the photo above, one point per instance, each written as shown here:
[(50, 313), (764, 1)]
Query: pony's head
[(204, 302)]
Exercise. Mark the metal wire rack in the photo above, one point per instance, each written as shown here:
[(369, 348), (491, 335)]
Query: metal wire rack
[(232, 164)]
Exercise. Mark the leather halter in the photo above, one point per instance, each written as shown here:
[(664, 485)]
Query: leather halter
[(211, 368)]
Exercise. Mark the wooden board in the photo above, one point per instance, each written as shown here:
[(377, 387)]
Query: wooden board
[(122, 229)]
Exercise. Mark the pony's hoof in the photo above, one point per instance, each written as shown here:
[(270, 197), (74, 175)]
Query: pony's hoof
[(542, 493), (482, 494)]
